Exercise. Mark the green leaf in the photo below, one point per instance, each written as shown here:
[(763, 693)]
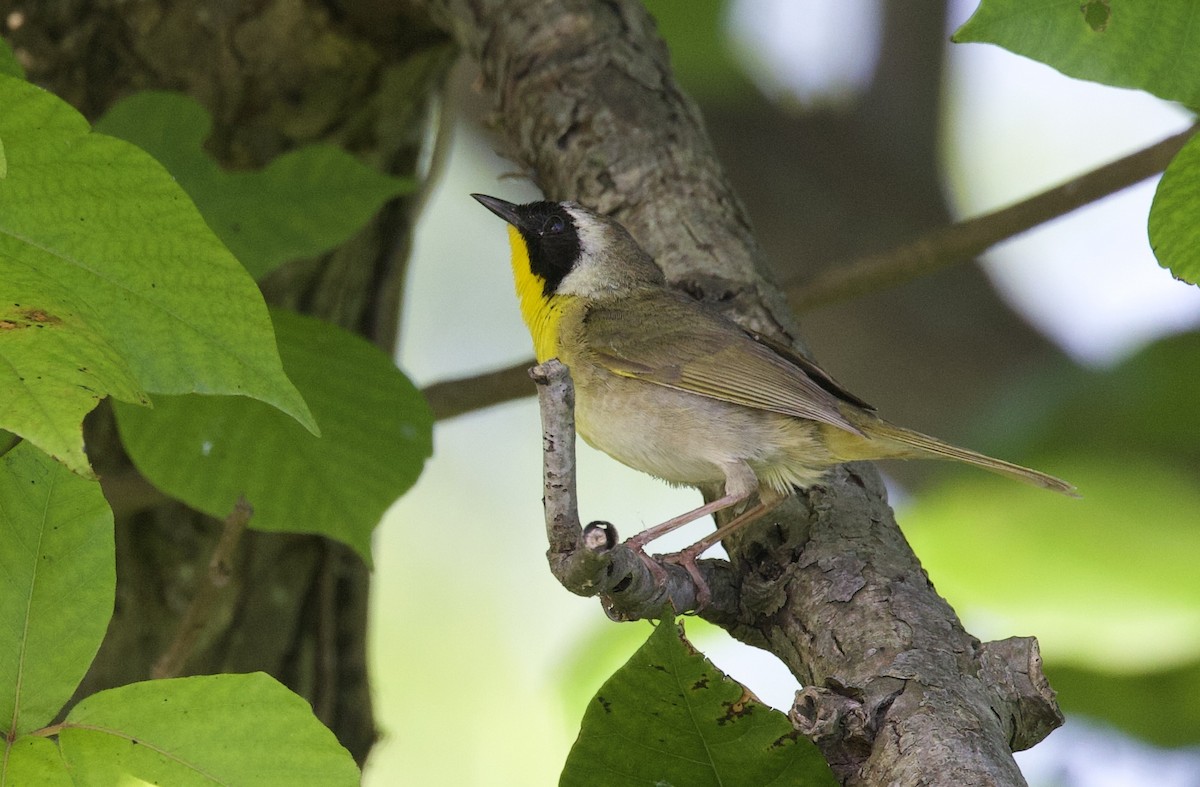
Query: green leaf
[(212, 729), (1153, 45), (57, 581), (34, 760), (1097, 580), (1144, 406), (376, 434), (1159, 706), (594, 656), (1174, 231), (111, 284), (9, 66), (302, 204), (670, 717)]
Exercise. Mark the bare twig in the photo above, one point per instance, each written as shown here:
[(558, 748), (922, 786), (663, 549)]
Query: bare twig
[(957, 243), (208, 591), (588, 561), (474, 392), (967, 239)]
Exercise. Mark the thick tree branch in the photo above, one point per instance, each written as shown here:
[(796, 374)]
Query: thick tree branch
[(958, 243), (585, 100)]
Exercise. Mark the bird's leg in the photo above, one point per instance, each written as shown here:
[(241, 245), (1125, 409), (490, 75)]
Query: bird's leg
[(767, 502), (740, 485), (687, 557), (639, 541)]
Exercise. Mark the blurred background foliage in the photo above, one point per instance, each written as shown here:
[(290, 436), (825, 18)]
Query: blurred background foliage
[(847, 128)]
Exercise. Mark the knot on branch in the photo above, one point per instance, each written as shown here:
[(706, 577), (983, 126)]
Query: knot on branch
[(822, 714), (1024, 701)]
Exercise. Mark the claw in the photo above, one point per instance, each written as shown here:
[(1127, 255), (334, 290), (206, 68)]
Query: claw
[(686, 559), (657, 571)]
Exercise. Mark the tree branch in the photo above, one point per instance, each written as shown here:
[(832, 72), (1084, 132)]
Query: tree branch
[(449, 398), (966, 240), (208, 591), (585, 100), (589, 561), (957, 243)]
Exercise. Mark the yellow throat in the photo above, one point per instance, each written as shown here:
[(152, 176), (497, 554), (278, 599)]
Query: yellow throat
[(541, 313)]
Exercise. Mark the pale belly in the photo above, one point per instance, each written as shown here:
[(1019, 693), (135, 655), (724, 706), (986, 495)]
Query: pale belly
[(688, 439)]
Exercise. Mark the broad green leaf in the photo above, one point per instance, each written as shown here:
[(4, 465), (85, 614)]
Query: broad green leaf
[(302, 204), (57, 581), (34, 760), (1092, 578), (1145, 405), (1174, 231), (670, 717), (1099, 580), (375, 436), (1153, 45), (57, 361), (8, 62), (212, 729), (8, 67), (111, 283), (1159, 706), (595, 655)]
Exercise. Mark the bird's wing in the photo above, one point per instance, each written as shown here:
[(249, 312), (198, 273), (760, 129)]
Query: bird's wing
[(693, 348)]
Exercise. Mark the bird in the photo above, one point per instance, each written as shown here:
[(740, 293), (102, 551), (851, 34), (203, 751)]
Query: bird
[(668, 385)]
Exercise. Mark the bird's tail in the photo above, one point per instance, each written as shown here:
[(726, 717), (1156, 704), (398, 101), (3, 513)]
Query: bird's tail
[(914, 445)]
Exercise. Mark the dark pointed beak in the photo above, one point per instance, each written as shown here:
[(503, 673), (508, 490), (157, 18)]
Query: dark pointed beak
[(505, 210)]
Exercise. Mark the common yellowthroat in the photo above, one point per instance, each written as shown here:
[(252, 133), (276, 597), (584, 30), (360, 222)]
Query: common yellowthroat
[(671, 387)]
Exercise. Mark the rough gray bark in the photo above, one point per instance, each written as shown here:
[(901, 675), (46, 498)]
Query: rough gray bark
[(897, 692)]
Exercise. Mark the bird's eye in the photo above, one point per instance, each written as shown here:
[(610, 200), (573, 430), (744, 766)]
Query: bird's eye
[(554, 225)]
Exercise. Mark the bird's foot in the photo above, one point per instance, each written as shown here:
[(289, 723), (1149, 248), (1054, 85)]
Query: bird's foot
[(686, 559)]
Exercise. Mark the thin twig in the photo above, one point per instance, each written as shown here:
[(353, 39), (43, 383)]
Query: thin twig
[(933, 251), (587, 560), (967, 239), (220, 567), (556, 397), (477, 391)]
